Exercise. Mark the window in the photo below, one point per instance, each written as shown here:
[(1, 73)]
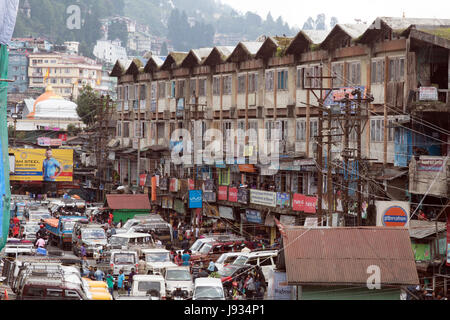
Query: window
[(337, 70), (72, 294), (142, 92), (35, 292), (282, 80), (201, 87), (119, 129), (252, 82), (216, 86), (301, 130), (180, 93), (192, 86), (241, 84), (161, 89), (397, 69), (313, 129), (377, 130), (377, 72), (305, 75), (67, 70), (126, 129), (125, 96), (54, 293), (226, 85), (153, 90), (265, 261), (353, 136), (227, 127), (172, 89), (353, 73), (137, 129), (269, 80)]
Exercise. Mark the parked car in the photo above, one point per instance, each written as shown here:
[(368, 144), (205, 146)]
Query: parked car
[(127, 240), (150, 287), (227, 258), (157, 260), (233, 272), (208, 289), (179, 277), (92, 236), (30, 230), (213, 250), (123, 260), (267, 260)]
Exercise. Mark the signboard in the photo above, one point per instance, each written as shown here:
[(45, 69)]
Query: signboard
[(310, 204), (392, 213), (163, 182), (226, 212), (191, 184), (178, 206), (278, 288), (283, 199), (166, 202), (142, 179), (12, 163), (311, 222), (29, 165), (223, 193), (287, 220), (153, 182), (242, 196), (264, 198), (233, 194), (208, 185), (195, 199), (253, 216), (428, 94), (336, 96), (303, 203), (209, 196), (430, 165), (422, 251), (173, 187)]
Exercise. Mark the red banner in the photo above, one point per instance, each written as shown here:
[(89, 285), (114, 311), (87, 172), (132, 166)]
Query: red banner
[(142, 179), (298, 202), (232, 194), (63, 137), (303, 203), (173, 186), (223, 193), (191, 184)]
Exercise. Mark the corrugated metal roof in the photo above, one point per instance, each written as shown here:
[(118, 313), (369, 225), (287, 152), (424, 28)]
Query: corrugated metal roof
[(252, 46), (343, 255), (419, 229), (128, 201), (316, 36), (404, 23), (354, 30)]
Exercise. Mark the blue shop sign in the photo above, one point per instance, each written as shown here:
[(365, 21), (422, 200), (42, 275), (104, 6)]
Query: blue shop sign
[(195, 199)]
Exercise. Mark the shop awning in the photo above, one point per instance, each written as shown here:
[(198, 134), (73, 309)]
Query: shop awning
[(247, 168)]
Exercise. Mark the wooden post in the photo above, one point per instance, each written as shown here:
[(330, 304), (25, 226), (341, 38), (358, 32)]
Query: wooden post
[(386, 79)]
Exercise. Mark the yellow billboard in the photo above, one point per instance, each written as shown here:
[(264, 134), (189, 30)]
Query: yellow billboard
[(42, 165)]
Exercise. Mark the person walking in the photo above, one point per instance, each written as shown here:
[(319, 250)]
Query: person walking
[(130, 280), (178, 259), (110, 283), (99, 275), (249, 287), (211, 267), (121, 282), (186, 257), (83, 253)]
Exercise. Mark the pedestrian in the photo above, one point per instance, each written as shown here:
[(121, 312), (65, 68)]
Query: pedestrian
[(16, 230), (99, 275), (40, 243), (186, 258), (91, 273), (16, 220), (130, 280), (142, 267), (121, 282), (178, 259), (83, 253), (211, 267), (110, 283), (249, 286)]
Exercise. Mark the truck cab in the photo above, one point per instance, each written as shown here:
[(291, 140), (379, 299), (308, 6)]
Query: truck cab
[(123, 260), (92, 236), (157, 260)]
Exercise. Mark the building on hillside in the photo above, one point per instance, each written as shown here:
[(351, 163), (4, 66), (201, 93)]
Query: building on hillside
[(402, 64), (139, 42), (65, 73), (109, 51)]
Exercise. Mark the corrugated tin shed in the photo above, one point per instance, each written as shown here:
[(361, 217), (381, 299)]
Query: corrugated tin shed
[(419, 229), (128, 201), (341, 256)]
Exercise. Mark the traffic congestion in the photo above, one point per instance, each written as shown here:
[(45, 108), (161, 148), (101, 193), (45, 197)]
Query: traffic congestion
[(67, 249)]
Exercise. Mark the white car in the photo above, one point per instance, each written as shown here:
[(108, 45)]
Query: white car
[(157, 260), (208, 289), (227, 258), (179, 277), (143, 284), (265, 259)]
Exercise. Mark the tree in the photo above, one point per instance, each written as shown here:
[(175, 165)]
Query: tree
[(118, 30), (88, 103), (73, 130)]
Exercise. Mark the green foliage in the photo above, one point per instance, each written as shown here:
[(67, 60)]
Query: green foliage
[(73, 130), (118, 30), (88, 103)]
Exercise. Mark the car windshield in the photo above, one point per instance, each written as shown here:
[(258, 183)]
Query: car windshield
[(178, 275), (227, 271), (157, 257), (94, 234), (205, 249), (241, 260), (146, 286), (118, 241), (68, 225), (31, 229), (39, 216), (124, 258), (197, 244), (129, 224), (208, 293), (222, 258)]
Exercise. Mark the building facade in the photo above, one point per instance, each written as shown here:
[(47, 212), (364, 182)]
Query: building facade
[(273, 87)]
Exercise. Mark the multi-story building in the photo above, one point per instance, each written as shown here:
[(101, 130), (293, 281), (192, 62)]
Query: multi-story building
[(273, 87), (109, 51), (65, 73), (18, 66)]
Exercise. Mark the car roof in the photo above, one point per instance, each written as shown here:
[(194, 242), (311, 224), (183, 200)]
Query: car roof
[(208, 282), (131, 235), (148, 278), (262, 253), (178, 268), (155, 250), (124, 251)]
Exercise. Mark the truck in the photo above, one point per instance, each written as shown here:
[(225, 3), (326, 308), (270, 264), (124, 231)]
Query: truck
[(92, 236), (60, 230), (146, 287)]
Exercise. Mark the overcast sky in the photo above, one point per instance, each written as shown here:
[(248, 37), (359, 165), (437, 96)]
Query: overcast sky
[(295, 12)]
